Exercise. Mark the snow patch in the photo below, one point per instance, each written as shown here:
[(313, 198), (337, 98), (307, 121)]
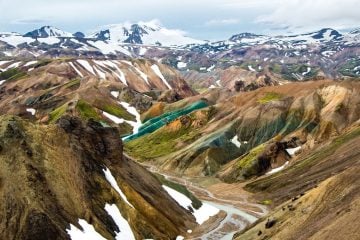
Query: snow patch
[(30, 63), (125, 229), (142, 51), (87, 66), (132, 110), (307, 71), (201, 215), (157, 71), (292, 151), (115, 94), (110, 178), (31, 110), (275, 170), (113, 118), (211, 68), (88, 232), (142, 75), (110, 47), (76, 70), (119, 73), (251, 68), (13, 65), (235, 141), (181, 65), (100, 73)]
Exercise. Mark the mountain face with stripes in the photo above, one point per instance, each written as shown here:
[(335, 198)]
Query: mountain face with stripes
[(325, 53)]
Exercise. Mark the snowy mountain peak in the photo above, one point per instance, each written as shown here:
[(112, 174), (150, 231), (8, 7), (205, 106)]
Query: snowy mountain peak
[(148, 33), (327, 34), (246, 35), (47, 31), (355, 31)]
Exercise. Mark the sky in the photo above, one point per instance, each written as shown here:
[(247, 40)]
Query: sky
[(201, 19)]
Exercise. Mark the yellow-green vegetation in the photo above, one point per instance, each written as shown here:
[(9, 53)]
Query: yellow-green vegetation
[(57, 113), (196, 203), (248, 160), (73, 83), (12, 74), (117, 111), (266, 202), (125, 129), (157, 144), (270, 96), (42, 63), (86, 111), (276, 68)]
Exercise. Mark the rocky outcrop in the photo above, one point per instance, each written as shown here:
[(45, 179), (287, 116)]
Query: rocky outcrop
[(52, 176), (258, 161)]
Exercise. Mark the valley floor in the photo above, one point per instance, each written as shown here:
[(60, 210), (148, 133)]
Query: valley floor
[(237, 207)]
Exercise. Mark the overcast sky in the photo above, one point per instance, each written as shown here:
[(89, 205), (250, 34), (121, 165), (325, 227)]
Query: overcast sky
[(202, 19)]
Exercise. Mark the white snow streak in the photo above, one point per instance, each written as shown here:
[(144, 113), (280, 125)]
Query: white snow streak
[(275, 170), (85, 64), (292, 151), (125, 232), (157, 71), (76, 70), (132, 110), (110, 178), (30, 63)]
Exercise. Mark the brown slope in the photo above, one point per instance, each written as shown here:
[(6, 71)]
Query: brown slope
[(329, 211), (51, 176)]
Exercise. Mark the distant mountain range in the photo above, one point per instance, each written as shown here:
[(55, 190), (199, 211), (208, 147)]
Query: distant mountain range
[(326, 52)]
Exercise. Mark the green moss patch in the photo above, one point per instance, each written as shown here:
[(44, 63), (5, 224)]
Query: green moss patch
[(157, 144), (86, 111), (117, 111), (248, 160), (12, 74), (57, 113)]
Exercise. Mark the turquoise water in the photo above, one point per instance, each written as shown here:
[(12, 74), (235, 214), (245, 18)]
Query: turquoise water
[(154, 124)]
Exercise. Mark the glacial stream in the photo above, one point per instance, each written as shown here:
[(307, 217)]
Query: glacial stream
[(235, 220)]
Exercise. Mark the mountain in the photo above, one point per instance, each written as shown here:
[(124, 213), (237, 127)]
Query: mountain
[(78, 185), (114, 92), (326, 53), (147, 33), (47, 31), (108, 137)]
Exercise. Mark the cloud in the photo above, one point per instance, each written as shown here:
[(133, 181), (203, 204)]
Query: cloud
[(244, 4), (29, 21), (309, 14), (222, 22)]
